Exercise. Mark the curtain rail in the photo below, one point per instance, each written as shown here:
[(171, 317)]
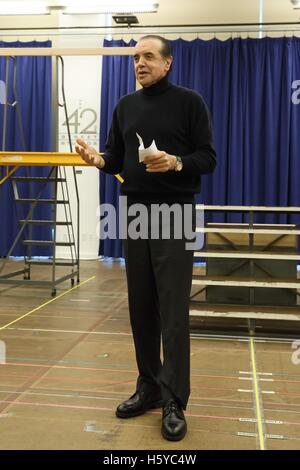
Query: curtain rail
[(199, 25), (123, 30), (156, 31)]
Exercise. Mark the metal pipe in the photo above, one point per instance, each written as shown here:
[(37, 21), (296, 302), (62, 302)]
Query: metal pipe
[(77, 251), (16, 104), (5, 105), (194, 25), (165, 29)]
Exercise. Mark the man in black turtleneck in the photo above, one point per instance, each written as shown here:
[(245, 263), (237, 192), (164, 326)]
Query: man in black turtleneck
[(159, 271)]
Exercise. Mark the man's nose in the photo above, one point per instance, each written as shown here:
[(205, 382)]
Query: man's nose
[(140, 62)]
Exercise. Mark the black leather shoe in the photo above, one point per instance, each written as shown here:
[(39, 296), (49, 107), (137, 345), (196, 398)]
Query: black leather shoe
[(173, 422), (140, 402)]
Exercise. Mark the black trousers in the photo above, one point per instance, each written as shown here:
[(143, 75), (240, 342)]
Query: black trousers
[(159, 276)]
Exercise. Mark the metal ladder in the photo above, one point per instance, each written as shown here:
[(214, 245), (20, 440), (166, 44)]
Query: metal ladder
[(57, 181)]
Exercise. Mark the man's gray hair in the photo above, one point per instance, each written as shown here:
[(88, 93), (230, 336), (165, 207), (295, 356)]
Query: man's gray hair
[(166, 49)]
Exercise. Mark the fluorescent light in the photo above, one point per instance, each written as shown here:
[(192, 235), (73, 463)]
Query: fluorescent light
[(89, 7), (23, 8), (44, 7)]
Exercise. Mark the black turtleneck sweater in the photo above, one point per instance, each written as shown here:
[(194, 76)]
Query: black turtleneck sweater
[(178, 119)]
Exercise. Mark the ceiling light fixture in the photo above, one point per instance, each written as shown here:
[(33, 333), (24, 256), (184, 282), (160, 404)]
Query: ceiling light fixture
[(296, 4), (24, 8), (73, 7), (125, 19), (96, 7)]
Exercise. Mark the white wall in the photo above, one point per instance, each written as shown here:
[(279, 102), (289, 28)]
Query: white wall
[(83, 89)]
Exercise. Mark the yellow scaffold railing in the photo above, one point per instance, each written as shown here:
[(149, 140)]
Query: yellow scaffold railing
[(17, 159)]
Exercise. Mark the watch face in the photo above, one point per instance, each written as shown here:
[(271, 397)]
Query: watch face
[(179, 164)]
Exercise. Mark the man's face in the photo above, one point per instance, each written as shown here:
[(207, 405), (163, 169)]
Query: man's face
[(149, 65)]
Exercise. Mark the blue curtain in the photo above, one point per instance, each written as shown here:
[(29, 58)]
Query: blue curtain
[(247, 84), (117, 80), (34, 96)]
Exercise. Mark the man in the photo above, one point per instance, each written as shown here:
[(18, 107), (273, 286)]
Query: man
[(159, 271)]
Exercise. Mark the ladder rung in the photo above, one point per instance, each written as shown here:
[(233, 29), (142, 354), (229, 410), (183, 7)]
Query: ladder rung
[(248, 208), (44, 222), (245, 282), (50, 262), (254, 231), (248, 255), (42, 201), (47, 242), (42, 179), (230, 312)]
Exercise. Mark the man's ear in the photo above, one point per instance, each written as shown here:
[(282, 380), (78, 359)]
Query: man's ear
[(169, 61)]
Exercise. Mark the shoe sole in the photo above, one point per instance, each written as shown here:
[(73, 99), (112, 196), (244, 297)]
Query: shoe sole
[(173, 438), (157, 404)]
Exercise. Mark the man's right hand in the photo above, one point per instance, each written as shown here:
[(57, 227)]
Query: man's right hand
[(89, 154)]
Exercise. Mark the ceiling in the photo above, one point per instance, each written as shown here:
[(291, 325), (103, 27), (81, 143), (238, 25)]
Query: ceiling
[(178, 12), (220, 11)]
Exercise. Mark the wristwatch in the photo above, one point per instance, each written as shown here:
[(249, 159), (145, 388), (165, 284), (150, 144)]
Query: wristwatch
[(179, 164)]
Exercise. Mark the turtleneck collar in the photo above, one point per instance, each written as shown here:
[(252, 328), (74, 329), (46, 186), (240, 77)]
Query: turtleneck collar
[(158, 87)]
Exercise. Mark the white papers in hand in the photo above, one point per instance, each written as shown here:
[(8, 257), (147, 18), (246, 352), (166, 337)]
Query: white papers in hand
[(152, 150)]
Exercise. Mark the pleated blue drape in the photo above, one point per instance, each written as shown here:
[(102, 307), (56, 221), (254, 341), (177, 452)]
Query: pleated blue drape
[(34, 95), (117, 80), (247, 84)]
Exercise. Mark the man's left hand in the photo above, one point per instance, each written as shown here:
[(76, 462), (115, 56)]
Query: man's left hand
[(160, 163)]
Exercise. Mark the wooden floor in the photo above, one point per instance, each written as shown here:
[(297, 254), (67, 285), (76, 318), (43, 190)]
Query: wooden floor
[(70, 362)]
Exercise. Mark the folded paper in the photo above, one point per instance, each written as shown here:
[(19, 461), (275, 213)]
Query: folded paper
[(152, 150)]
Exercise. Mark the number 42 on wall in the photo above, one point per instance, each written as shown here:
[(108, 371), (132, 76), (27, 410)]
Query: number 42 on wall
[(75, 120)]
